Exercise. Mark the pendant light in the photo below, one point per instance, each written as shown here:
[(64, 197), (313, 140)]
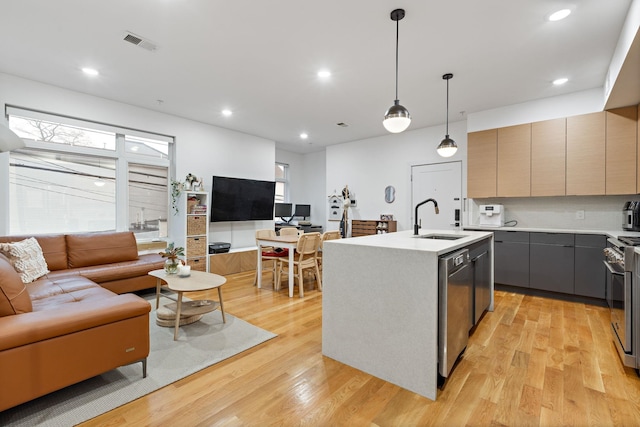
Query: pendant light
[(397, 118), (448, 146)]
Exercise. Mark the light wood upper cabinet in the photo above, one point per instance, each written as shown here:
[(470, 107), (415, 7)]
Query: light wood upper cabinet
[(638, 151), (621, 140), (548, 157), (514, 161), (586, 151), (482, 149)]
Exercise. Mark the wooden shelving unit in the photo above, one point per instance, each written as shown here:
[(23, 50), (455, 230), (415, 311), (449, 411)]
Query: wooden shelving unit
[(366, 227), (196, 207)]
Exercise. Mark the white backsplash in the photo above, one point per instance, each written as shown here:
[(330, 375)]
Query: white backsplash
[(600, 212)]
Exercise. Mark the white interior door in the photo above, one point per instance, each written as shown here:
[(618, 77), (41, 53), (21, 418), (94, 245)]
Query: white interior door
[(442, 182)]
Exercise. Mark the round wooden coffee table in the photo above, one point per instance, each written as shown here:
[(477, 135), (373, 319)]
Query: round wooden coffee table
[(196, 281)]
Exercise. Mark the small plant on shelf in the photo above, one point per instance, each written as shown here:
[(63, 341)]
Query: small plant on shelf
[(172, 264)]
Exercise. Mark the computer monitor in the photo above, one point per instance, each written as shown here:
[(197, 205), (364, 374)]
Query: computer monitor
[(303, 211), (283, 210)]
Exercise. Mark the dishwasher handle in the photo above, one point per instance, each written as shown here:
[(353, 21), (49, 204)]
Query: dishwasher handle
[(476, 258)]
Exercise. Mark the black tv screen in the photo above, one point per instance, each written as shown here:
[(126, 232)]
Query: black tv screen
[(237, 199)]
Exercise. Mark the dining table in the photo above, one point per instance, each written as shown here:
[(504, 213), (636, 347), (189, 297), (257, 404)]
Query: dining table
[(289, 242)]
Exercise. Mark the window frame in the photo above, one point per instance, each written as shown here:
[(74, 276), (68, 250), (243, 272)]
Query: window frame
[(120, 155), (284, 181)]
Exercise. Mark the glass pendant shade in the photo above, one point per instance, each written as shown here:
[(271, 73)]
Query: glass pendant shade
[(447, 147), (397, 118)]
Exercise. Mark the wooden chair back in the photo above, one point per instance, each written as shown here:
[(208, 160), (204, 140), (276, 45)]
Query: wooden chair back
[(289, 231), (266, 233), (331, 235), (307, 248)]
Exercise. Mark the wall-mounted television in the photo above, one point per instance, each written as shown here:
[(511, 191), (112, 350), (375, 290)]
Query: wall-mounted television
[(237, 199)]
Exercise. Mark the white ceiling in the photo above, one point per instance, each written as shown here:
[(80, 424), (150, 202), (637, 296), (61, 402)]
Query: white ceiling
[(260, 58)]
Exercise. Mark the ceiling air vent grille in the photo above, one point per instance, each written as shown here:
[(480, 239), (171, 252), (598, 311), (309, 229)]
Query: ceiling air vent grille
[(139, 41)]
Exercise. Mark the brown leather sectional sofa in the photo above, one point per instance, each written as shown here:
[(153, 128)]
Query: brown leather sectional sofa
[(75, 322)]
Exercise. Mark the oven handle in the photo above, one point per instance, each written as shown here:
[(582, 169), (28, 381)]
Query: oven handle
[(611, 270)]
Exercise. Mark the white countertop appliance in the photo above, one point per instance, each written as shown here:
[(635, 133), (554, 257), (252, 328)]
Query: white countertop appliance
[(492, 215)]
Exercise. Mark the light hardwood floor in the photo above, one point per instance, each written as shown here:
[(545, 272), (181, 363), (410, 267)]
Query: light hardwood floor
[(533, 361)]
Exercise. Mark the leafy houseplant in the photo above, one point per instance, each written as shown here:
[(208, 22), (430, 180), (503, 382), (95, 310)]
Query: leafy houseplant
[(176, 191), (172, 253)]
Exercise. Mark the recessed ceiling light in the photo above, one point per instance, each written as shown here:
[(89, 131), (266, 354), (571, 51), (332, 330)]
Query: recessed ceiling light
[(560, 82), (324, 74), (227, 113), (90, 71), (304, 136), (559, 15)]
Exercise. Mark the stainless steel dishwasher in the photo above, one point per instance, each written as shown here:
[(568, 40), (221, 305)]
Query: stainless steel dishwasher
[(455, 288)]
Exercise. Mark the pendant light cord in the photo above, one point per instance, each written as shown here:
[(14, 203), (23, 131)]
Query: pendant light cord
[(397, 36), (447, 107)]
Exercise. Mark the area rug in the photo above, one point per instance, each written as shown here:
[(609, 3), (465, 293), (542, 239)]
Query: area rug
[(200, 344)]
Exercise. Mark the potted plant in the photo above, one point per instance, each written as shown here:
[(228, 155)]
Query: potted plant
[(189, 180), (172, 264)]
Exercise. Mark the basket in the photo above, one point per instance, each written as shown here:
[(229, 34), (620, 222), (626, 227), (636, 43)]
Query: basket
[(196, 246), (196, 225), (198, 264), (191, 202)]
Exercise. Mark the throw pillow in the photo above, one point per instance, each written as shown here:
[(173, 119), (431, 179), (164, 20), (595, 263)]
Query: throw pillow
[(27, 258), (14, 298)]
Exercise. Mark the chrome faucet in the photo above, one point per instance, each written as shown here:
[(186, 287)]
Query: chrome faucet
[(417, 226)]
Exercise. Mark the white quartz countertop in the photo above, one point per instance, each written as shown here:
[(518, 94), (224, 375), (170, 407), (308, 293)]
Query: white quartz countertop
[(609, 233), (406, 240)]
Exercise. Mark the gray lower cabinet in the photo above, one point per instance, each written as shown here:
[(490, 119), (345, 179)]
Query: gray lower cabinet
[(590, 272), (511, 258), (480, 255), (556, 262), (551, 265)]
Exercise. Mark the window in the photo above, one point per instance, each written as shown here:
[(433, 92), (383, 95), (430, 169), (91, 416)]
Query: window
[(59, 133), (56, 193), (282, 182), (148, 200), (82, 176)]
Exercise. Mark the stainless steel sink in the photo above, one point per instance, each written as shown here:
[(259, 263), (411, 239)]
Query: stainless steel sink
[(440, 236)]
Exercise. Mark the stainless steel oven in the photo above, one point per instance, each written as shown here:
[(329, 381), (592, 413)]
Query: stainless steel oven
[(619, 260)]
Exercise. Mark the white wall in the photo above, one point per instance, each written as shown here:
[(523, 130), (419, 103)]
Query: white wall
[(307, 181), (201, 149), (573, 104), (369, 166)]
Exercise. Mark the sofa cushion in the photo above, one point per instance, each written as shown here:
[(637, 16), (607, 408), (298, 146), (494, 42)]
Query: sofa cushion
[(14, 298), (54, 248), (100, 248), (27, 258)]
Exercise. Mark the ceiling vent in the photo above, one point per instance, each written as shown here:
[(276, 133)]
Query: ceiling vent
[(139, 41)]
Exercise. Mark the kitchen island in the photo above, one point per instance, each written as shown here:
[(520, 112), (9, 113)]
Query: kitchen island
[(380, 304)]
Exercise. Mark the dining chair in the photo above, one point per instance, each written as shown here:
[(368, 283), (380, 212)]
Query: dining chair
[(327, 235), (304, 258), (269, 253), (289, 231)]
